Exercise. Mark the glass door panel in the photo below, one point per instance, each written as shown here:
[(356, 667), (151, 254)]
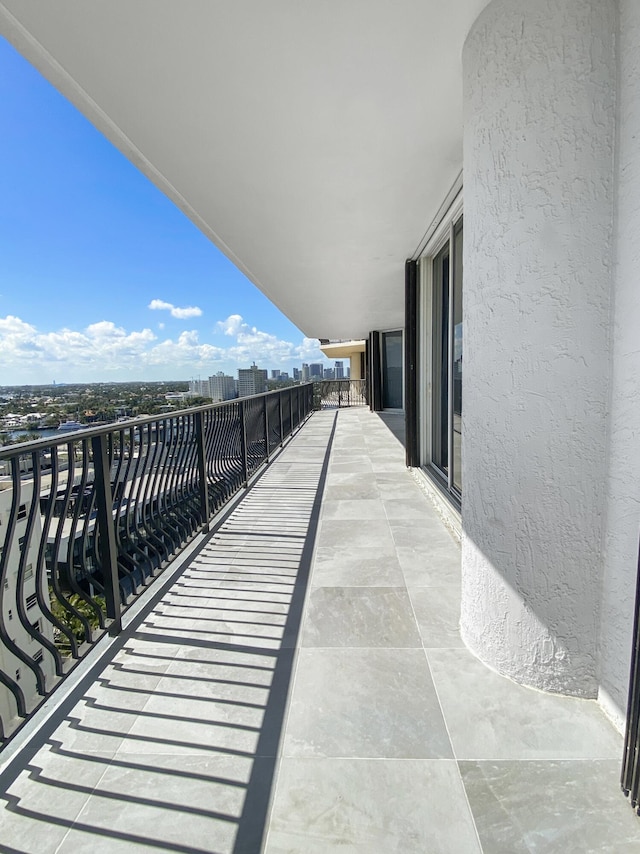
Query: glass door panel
[(446, 327), (457, 358), (440, 421), (392, 370)]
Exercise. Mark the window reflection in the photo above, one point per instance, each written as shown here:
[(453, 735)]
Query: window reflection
[(447, 331)]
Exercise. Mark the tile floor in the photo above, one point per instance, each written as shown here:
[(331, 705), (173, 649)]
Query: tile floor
[(299, 685)]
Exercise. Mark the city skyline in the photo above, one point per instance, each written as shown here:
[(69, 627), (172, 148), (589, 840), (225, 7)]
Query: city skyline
[(254, 380), (102, 278)]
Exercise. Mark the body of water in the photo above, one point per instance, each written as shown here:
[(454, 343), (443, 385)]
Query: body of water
[(43, 434)]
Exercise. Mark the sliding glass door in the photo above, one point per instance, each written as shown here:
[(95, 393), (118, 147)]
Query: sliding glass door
[(446, 363)]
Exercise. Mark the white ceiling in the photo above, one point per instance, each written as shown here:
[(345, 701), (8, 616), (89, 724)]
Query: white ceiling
[(312, 140)]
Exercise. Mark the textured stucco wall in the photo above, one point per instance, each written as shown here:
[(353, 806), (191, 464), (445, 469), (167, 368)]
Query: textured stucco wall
[(539, 104), (623, 483)]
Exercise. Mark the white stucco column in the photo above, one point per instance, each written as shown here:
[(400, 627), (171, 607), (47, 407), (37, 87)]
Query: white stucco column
[(539, 103), (623, 483)]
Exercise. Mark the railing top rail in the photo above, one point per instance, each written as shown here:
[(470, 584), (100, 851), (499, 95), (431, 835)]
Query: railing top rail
[(20, 449)]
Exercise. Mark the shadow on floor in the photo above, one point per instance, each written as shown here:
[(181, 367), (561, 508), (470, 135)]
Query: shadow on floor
[(394, 421), (169, 741)]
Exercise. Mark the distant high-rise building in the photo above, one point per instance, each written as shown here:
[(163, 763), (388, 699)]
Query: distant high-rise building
[(200, 388), (251, 380), (275, 375), (339, 370), (297, 375), (305, 372), (222, 387), (329, 374), (284, 375), (316, 371)]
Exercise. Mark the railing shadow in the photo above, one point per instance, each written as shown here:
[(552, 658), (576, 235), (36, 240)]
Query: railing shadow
[(170, 741)]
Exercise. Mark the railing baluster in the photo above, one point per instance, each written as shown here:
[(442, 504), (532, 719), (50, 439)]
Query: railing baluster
[(202, 471), (243, 444), (72, 539), (8, 681), (41, 565), (22, 563), (142, 491), (291, 425), (145, 500), (57, 565), (106, 534)]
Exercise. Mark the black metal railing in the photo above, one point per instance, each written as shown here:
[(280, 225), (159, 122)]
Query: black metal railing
[(88, 520), (630, 779), (335, 394)]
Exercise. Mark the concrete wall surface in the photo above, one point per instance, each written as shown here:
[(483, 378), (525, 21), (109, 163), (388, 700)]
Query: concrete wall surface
[(539, 144), (623, 481)]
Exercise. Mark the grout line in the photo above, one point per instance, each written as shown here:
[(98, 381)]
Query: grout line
[(293, 677), (453, 750)]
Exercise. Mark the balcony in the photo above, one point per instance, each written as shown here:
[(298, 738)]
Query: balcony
[(295, 681)]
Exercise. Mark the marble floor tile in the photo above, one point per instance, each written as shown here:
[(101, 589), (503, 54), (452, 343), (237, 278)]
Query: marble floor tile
[(388, 466), (221, 592), (573, 807), (157, 802), (192, 727), (222, 619), (44, 800), (251, 576), (367, 806), (92, 727), (233, 664), (366, 703), (216, 682), (336, 533), (429, 567), (491, 717), (359, 617), (346, 465), (430, 535), (411, 511), (361, 567), (350, 448), (437, 613), (359, 509), (350, 486), (174, 745), (397, 484), (138, 661)]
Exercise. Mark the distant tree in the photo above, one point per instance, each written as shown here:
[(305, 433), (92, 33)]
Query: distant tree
[(275, 385), (71, 622)]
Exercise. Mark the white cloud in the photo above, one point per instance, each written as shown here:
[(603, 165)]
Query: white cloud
[(104, 350), (180, 313), (231, 326), (101, 347), (264, 348), (13, 326), (187, 353)]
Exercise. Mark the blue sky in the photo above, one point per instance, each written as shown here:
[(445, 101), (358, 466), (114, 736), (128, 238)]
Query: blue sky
[(101, 276)]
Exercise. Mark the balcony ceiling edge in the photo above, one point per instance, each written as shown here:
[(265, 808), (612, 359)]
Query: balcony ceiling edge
[(312, 144)]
